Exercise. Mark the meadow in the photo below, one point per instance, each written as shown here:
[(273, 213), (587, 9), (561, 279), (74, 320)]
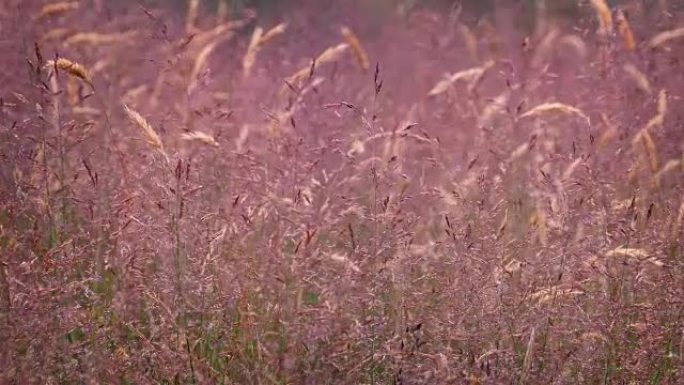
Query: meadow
[(341, 192)]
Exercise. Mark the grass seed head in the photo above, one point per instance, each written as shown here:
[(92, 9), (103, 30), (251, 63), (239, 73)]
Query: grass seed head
[(555, 107), (666, 36), (357, 48), (250, 56), (471, 75), (258, 40), (96, 39), (604, 16), (639, 77), (56, 8), (150, 135), (200, 137), (625, 31), (200, 62), (627, 252), (273, 33), (70, 67), (330, 54), (651, 150)]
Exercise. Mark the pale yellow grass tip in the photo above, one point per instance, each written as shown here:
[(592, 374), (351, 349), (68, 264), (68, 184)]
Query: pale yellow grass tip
[(94, 38), (639, 78), (659, 119), (330, 54), (553, 293), (627, 252), (357, 48), (604, 15), (650, 148), (70, 67), (555, 107), (666, 36), (259, 38), (201, 137), (273, 33), (471, 75), (200, 61), (56, 8), (150, 135)]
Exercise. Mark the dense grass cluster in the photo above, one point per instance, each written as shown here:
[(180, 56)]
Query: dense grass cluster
[(349, 193)]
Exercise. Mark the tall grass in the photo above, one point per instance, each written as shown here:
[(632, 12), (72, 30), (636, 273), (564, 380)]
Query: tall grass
[(215, 197)]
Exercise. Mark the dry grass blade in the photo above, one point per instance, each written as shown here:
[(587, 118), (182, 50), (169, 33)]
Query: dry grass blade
[(471, 75), (661, 111), (200, 137), (650, 149), (540, 224), (527, 361), (666, 36), (273, 33), (200, 61), (225, 30), (250, 56), (625, 30), (555, 107), (55, 34), (608, 134), (545, 295), (604, 15), (56, 8), (519, 152), (639, 78), (357, 48), (502, 225), (662, 102), (671, 165), (329, 55), (627, 252), (70, 67), (150, 135), (135, 93), (94, 38), (259, 38)]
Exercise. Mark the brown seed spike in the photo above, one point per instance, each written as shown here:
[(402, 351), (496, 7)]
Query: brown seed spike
[(604, 15), (625, 30), (70, 67)]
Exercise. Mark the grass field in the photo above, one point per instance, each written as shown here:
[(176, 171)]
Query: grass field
[(347, 192)]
